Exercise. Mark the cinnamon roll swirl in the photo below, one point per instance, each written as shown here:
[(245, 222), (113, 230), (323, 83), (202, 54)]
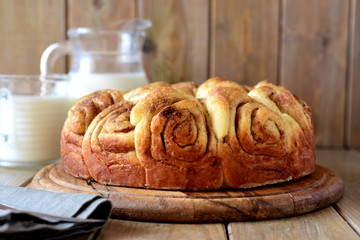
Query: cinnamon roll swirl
[(251, 140), (79, 118), (182, 136), (175, 143), (297, 119), (109, 150)]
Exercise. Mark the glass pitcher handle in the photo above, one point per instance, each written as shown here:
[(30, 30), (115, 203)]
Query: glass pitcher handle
[(51, 54), (5, 115)]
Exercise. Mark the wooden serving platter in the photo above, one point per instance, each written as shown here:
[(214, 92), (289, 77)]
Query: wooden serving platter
[(316, 191)]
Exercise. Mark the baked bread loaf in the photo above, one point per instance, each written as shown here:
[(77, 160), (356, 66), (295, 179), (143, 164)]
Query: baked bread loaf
[(217, 135)]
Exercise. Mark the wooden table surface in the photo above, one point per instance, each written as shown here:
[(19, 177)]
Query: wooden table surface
[(340, 221)]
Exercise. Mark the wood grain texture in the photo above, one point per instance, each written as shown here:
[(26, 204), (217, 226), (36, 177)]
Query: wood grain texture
[(119, 229), (27, 28), (316, 191), (16, 177), (346, 164), (353, 126), (179, 39), (313, 62), (98, 13), (324, 224), (244, 40), (315, 55)]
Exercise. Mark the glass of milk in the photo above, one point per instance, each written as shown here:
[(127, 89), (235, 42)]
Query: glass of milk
[(32, 112), (108, 58)]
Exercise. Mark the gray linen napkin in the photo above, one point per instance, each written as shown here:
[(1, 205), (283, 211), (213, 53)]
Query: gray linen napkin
[(38, 214)]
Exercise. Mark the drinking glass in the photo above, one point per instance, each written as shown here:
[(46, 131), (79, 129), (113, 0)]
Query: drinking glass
[(32, 112)]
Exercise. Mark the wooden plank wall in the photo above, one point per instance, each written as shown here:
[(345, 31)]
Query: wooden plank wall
[(27, 27), (314, 42), (353, 90), (312, 47)]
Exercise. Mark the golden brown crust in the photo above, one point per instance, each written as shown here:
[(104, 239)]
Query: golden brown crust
[(109, 150), (174, 142), (138, 93), (252, 146), (79, 118), (218, 135), (204, 89), (188, 87), (297, 117)]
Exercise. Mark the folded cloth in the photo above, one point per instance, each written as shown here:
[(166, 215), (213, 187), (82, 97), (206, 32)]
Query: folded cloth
[(37, 214)]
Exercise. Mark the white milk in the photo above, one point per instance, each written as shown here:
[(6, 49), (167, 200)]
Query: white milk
[(33, 125), (82, 84)]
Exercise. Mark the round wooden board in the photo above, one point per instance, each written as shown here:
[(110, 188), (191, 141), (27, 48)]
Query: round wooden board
[(316, 191)]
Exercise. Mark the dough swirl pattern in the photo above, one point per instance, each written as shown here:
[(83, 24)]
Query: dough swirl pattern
[(218, 135)]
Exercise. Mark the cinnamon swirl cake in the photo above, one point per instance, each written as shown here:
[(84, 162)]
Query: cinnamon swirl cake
[(217, 135)]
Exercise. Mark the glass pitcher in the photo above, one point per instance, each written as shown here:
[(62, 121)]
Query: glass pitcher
[(101, 58)]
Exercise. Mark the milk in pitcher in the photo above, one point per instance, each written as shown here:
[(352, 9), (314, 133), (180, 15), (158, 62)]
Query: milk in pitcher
[(82, 84)]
